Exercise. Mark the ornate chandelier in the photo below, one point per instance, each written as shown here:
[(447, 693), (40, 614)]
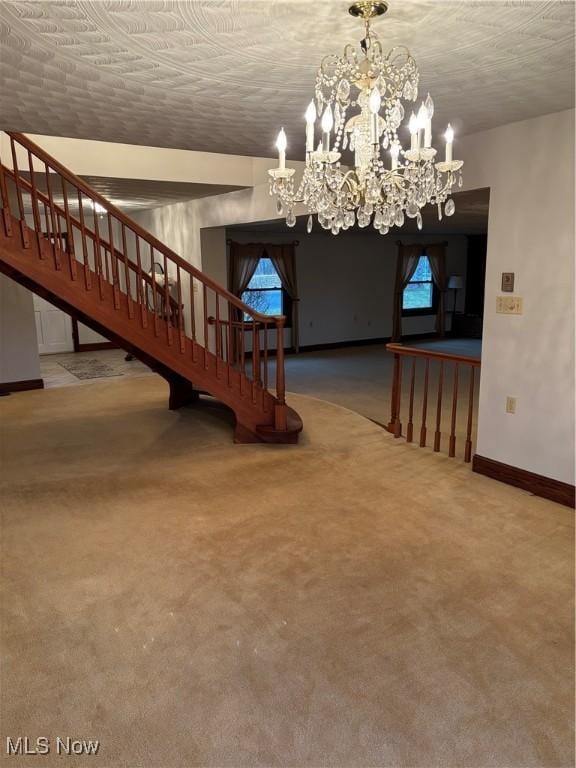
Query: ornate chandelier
[(377, 188)]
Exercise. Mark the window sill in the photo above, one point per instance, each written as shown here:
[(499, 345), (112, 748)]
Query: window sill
[(419, 312)]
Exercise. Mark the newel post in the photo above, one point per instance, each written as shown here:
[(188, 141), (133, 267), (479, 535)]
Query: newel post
[(280, 422), (395, 425)]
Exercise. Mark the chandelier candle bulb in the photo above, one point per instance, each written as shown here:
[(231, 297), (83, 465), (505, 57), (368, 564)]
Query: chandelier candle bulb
[(281, 144), (327, 125), (310, 120), (422, 125), (414, 136), (449, 136), (394, 152), (429, 105), (375, 102)]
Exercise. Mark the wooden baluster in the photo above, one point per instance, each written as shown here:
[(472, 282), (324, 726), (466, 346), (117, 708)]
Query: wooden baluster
[(193, 317), (468, 444), (438, 434), (265, 377), (167, 303), (61, 246), (85, 256), (46, 220), (242, 344), (217, 337), (35, 207), (55, 230), (21, 213), (395, 425), (140, 289), (98, 252), (226, 343), (180, 316), (424, 406), (154, 289), (410, 425), (127, 273), (256, 376), (205, 302), (280, 415), (6, 213), (69, 233), (231, 346), (452, 441), (113, 264)]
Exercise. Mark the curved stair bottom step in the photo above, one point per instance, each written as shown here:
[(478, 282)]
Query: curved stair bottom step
[(183, 393)]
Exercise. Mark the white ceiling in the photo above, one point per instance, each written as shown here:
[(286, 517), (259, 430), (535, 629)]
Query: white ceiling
[(223, 75)]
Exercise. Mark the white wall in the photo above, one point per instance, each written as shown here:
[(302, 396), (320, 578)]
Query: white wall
[(529, 167), (19, 359), (346, 282), (85, 157)]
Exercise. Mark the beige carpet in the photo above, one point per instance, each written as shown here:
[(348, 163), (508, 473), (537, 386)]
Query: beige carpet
[(352, 601), (359, 378)]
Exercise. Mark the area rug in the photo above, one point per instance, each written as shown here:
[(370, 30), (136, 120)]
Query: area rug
[(90, 369)]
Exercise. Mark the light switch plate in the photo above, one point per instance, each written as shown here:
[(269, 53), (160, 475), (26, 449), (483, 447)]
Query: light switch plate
[(510, 405), (509, 305)]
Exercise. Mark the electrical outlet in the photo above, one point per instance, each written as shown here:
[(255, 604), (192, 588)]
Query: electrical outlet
[(509, 305), (510, 405)]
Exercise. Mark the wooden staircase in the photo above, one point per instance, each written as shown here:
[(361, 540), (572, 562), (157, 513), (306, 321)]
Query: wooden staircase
[(65, 242)]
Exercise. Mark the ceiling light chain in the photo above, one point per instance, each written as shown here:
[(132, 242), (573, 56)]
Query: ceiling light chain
[(376, 188)]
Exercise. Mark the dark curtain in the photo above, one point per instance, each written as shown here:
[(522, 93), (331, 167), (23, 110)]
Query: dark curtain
[(283, 258), (244, 258), (406, 263), (437, 257)]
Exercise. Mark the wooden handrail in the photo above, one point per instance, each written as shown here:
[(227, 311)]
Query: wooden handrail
[(247, 325), (133, 226), (402, 349)]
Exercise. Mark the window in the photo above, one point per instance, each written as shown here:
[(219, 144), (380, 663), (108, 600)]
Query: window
[(420, 293), (265, 293)]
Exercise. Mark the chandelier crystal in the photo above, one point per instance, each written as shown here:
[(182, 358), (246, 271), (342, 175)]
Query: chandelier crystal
[(360, 99)]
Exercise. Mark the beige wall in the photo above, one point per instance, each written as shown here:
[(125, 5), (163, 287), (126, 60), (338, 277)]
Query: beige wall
[(19, 359), (529, 167)]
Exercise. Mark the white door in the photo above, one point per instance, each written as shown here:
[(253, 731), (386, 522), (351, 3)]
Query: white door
[(53, 328)]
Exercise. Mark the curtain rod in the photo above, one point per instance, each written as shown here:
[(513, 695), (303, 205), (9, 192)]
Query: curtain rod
[(443, 242), (292, 242)]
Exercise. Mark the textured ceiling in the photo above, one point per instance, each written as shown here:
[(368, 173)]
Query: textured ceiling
[(135, 194), (223, 75), (471, 218)]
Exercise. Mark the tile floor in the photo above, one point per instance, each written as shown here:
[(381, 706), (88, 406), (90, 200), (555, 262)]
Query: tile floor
[(56, 375)]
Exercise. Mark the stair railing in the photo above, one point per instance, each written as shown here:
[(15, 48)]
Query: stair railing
[(108, 249), (424, 389)]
